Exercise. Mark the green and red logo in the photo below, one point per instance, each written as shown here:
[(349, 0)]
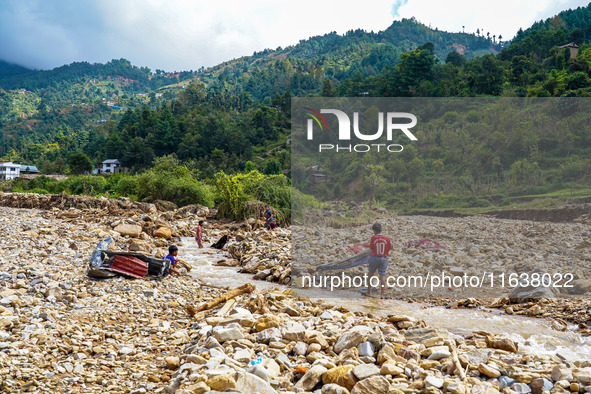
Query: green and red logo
[(317, 117)]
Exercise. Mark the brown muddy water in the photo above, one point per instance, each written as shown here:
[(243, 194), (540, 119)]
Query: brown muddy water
[(533, 335)]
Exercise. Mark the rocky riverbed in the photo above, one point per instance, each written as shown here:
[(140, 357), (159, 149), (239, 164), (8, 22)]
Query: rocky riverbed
[(476, 246), (61, 331)]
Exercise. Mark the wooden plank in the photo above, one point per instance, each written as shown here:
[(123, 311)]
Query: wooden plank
[(244, 289), (226, 308)]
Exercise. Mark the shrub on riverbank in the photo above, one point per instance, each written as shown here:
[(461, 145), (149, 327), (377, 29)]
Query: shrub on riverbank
[(171, 180), (233, 191)]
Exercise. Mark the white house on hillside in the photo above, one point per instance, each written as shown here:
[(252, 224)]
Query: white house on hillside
[(9, 170), (110, 166)]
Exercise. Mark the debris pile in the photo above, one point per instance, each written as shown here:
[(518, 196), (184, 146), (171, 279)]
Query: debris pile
[(271, 342), (62, 331), (459, 246), (265, 254)]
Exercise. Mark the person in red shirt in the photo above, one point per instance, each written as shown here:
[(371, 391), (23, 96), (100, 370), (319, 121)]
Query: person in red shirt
[(380, 246), (199, 234)]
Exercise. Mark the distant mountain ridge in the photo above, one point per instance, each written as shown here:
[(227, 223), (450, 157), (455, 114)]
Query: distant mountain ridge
[(578, 18), (18, 77), (302, 68), (11, 70)]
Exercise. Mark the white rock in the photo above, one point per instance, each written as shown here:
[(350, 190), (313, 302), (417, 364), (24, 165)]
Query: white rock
[(249, 383), (125, 350), (363, 371), (243, 355), (432, 381), (227, 334)]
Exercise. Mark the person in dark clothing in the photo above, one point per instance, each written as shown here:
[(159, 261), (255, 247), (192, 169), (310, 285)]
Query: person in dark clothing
[(269, 220)]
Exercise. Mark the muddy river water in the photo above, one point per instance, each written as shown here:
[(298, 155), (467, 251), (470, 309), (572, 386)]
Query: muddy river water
[(534, 335)]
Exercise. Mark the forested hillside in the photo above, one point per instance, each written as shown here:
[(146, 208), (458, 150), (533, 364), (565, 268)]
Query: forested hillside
[(220, 131), (59, 110), (239, 111), (47, 115), (9, 70), (304, 68), (16, 77)]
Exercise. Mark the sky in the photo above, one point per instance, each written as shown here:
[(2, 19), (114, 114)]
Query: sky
[(175, 35)]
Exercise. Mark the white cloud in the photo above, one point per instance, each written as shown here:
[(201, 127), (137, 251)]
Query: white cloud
[(187, 34)]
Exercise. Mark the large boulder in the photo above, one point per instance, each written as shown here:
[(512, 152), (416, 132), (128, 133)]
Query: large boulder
[(131, 230), (311, 378), (164, 206), (267, 321), (502, 343), (222, 382), (350, 339), (136, 245), (343, 376), (145, 207), (364, 371), (528, 294), (580, 286), (249, 383), (373, 385), (197, 210), (162, 232)]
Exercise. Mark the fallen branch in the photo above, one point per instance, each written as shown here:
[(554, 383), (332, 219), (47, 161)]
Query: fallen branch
[(246, 288), (456, 360), (226, 308)]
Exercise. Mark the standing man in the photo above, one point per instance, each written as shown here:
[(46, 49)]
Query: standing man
[(380, 246)]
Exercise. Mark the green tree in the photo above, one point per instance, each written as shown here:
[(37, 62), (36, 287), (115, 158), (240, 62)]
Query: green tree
[(455, 58), (59, 166), (486, 75), (374, 179), (497, 166), (272, 167), (578, 35), (524, 171), (521, 66), (415, 169), (577, 80), (34, 153), (327, 90), (137, 153), (249, 166), (42, 107), (397, 169), (415, 66), (79, 163), (437, 166)]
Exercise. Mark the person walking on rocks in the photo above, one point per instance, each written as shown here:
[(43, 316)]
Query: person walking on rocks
[(199, 234), (380, 246), (173, 251), (269, 220)]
